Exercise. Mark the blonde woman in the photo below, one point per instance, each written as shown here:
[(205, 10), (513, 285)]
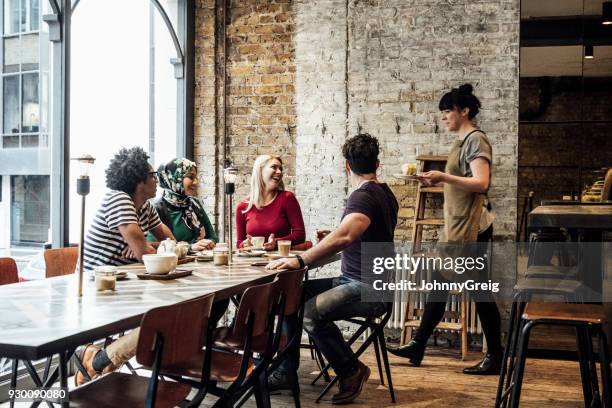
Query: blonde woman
[(269, 211)]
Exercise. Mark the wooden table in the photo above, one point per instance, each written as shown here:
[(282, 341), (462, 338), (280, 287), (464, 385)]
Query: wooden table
[(580, 216), (39, 319)]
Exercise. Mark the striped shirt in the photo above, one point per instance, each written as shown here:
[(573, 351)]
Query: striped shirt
[(104, 244)]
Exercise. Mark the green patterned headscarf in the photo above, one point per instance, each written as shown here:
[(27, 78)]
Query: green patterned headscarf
[(171, 177)]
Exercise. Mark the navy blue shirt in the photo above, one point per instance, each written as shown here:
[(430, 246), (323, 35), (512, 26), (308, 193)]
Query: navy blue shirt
[(378, 203)]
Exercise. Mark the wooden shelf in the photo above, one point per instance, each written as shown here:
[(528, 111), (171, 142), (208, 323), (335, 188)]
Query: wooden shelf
[(434, 189), (432, 158), (441, 326), (430, 221)]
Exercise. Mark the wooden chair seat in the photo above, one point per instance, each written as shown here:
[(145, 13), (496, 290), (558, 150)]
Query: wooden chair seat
[(570, 312), (550, 285), (225, 366), (126, 390), (551, 271), (223, 339)]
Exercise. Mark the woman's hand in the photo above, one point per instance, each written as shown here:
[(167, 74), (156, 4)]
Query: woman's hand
[(284, 264), (271, 244), (246, 243), (202, 245), (431, 178)]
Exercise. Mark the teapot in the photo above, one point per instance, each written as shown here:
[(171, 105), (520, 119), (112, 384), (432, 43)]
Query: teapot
[(169, 246)]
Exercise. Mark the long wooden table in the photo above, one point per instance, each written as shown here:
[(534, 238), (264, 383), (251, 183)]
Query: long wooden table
[(39, 319)]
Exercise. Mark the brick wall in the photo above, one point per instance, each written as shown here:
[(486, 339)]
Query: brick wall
[(333, 68), (260, 70)]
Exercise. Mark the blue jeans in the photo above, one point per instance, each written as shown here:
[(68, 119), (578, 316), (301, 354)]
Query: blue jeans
[(328, 300)]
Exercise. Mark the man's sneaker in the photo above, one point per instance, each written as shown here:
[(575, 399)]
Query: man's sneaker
[(280, 381), (351, 385)]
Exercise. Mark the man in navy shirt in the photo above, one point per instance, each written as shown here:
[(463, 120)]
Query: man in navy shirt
[(370, 216)]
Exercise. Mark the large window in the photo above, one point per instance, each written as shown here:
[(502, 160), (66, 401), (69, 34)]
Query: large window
[(123, 89)]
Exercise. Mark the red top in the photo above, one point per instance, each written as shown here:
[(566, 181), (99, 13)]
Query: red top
[(282, 217)]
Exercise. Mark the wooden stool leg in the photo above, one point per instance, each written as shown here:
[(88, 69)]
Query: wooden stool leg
[(520, 366), (464, 325), (604, 358)]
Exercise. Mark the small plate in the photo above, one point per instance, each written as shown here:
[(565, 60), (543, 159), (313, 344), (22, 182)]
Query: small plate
[(406, 177), (252, 253), (121, 275)]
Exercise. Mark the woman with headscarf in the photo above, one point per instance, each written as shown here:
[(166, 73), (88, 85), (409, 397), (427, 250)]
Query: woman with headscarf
[(179, 207)]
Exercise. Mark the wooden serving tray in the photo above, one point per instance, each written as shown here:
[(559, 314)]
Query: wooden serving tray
[(179, 273)]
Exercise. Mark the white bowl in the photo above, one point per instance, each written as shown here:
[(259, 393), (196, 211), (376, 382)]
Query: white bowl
[(159, 264)]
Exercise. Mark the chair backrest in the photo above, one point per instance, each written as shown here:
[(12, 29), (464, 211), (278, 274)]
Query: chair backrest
[(606, 193), (60, 261), (8, 271), (290, 283), (254, 309), (182, 328)]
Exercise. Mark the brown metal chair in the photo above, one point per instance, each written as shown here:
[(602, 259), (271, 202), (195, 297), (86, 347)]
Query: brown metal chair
[(235, 364), (8, 271), (169, 335), (60, 261)]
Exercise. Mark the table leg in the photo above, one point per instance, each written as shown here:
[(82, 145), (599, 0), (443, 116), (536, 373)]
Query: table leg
[(63, 373)]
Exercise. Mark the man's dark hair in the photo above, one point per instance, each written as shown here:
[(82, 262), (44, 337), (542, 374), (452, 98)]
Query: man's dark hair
[(460, 98), (127, 169), (361, 151)]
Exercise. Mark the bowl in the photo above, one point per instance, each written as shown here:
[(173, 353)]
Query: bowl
[(159, 264)]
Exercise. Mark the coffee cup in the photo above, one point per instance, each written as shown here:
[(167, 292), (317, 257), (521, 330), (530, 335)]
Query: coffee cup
[(284, 246), (258, 242)]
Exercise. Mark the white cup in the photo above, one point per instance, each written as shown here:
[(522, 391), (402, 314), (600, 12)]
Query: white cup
[(258, 242)]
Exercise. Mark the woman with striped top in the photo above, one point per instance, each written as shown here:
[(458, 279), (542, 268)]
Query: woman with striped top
[(117, 233)]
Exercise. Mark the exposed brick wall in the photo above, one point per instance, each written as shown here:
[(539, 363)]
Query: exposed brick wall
[(400, 57), (336, 67), (260, 70)]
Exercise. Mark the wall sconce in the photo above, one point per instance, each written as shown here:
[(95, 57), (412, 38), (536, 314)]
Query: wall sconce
[(588, 52), (230, 174)]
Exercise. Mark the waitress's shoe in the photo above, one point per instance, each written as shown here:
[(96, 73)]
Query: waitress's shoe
[(413, 351), (489, 365)]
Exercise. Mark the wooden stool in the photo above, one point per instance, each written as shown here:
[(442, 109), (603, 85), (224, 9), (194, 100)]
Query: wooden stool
[(586, 318), (525, 289)]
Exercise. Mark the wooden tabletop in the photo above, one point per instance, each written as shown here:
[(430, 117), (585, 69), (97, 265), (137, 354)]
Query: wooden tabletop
[(572, 216), (41, 318)]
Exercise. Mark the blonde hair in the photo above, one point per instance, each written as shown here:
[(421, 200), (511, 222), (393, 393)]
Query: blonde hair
[(257, 181)]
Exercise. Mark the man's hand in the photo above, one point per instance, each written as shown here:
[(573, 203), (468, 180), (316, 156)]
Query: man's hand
[(202, 245), (284, 264), (322, 234), (271, 244)]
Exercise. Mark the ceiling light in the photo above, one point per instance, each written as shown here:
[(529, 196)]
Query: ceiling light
[(588, 52), (606, 11)]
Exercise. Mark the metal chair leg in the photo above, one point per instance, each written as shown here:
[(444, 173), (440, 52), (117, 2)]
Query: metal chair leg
[(585, 374), (591, 366), (377, 352), (501, 385), (383, 348), (520, 366), (604, 360)]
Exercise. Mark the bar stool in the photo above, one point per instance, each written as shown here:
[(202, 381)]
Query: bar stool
[(525, 289), (587, 319)]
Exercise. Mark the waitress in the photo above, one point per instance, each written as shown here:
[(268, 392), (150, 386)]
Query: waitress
[(466, 180)]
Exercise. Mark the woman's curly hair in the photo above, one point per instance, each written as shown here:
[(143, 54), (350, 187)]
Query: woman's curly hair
[(127, 169)]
